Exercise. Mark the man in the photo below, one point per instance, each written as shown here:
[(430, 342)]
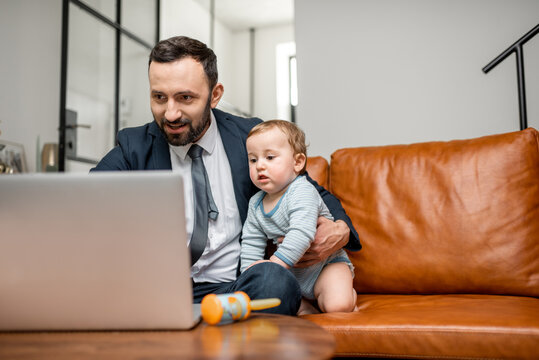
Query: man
[(184, 93)]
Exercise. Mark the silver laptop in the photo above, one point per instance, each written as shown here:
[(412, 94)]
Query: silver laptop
[(91, 252)]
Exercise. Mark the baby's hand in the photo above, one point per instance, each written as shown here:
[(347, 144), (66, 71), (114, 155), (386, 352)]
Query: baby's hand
[(276, 260)]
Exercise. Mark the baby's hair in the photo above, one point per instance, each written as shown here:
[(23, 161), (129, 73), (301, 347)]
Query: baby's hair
[(296, 136)]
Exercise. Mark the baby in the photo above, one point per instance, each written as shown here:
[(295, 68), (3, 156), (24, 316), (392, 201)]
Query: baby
[(288, 206)]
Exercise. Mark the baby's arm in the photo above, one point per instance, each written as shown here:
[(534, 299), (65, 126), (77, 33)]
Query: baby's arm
[(253, 241)]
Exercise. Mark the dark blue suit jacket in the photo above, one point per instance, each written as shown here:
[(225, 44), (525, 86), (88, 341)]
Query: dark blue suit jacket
[(145, 148)]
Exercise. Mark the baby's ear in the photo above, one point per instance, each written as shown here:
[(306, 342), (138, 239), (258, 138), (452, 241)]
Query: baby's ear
[(299, 162)]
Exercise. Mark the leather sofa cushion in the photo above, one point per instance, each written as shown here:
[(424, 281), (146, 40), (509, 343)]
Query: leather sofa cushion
[(444, 217), (436, 326)]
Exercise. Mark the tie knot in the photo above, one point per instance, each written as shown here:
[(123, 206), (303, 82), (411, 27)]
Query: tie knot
[(195, 151)]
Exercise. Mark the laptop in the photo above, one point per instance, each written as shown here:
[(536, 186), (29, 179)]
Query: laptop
[(100, 251)]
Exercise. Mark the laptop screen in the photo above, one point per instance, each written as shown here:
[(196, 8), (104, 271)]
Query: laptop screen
[(100, 251)]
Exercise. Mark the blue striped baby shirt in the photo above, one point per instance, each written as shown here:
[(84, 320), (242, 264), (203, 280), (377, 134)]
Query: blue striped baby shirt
[(294, 217)]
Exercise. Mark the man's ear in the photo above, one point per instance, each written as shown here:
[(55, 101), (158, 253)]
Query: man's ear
[(299, 162), (216, 94)]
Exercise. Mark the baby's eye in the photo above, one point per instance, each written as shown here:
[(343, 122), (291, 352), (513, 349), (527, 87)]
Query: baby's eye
[(253, 160), (270, 157)]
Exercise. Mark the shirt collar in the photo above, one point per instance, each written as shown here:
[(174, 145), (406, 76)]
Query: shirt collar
[(207, 141)]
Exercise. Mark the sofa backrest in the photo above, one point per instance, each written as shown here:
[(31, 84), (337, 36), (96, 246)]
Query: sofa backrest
[(318, 169), (444, 217)]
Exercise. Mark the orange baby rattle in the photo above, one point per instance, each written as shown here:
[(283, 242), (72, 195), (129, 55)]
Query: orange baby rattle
[(226, 308)]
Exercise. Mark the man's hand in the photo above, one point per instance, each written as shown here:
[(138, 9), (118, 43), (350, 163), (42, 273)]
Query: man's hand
[(255, 263), (330, 236), (273, 259)]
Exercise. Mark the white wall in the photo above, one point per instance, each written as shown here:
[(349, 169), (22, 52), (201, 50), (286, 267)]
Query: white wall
[(184, 17), (30, 39), (265, 105), (238, 90), (375, 72), (266, 40), (226, 58)]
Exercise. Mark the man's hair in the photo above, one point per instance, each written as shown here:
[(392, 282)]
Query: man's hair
[(180, 47), (296, 136)]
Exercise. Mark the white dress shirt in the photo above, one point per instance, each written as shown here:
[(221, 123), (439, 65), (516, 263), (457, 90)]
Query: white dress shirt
[(219, 260)]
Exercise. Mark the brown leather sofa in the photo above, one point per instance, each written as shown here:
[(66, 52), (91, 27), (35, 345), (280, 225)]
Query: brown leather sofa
[(450, 261)]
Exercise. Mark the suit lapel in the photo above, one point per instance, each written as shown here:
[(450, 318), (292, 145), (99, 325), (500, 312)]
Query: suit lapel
[(234, 145), (160, 158)]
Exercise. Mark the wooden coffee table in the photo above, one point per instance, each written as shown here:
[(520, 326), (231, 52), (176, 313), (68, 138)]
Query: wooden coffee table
[(263, 336)]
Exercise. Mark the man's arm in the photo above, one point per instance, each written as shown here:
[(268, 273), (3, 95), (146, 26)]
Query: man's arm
[(330, 235), (113, 161), (351, 239), (139, 148)]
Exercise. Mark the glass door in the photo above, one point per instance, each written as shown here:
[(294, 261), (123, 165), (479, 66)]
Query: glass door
[(105, 48)]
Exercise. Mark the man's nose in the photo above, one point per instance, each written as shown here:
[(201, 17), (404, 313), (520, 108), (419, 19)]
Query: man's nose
[(173, 111)]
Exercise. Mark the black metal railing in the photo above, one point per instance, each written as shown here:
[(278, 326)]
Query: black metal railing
[(519, 52)]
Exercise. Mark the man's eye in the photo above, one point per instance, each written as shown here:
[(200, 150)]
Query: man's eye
[(159, 97), (187, 97)]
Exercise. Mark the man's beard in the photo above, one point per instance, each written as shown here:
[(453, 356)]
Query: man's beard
[(192, 134)]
